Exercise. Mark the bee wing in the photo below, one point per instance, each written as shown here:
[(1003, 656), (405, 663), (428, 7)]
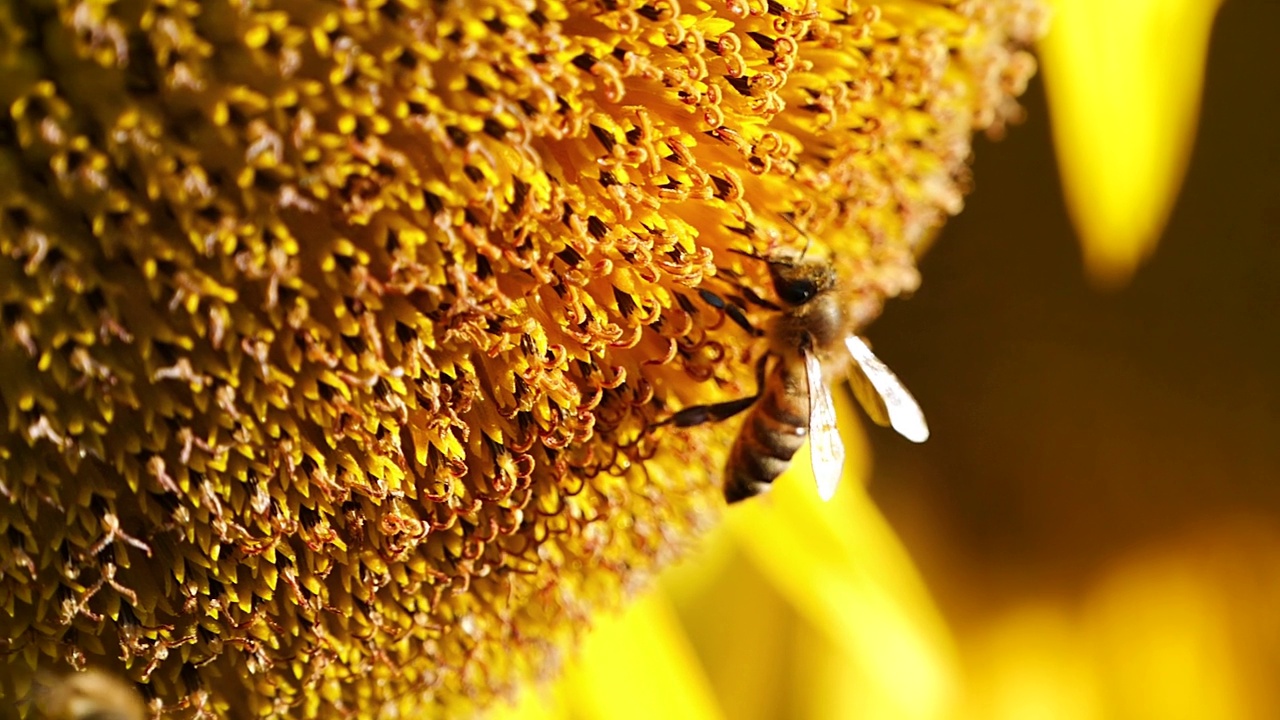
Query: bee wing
[(824, 438), (882, 394)]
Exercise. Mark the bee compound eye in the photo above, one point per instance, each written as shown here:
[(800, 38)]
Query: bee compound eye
[(797, 292)]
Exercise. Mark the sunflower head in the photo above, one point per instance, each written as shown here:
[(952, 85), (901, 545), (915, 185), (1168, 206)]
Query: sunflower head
[(335, 337)]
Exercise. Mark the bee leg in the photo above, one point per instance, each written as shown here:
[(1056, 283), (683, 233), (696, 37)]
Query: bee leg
[(701, 414), (734, 312), (754, 298)]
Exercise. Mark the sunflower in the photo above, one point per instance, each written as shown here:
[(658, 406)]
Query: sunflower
[(337, 337)]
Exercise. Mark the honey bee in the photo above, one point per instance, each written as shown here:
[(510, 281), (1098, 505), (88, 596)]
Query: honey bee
[(794, 397)]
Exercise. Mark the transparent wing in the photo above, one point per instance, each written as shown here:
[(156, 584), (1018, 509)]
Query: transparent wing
[(868, 396), (882, 394), (824, 437)]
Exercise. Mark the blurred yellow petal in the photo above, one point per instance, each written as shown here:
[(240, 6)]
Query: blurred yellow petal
[(1177, 643), (742, 629), (1184, 628), (844, 571), (1124, 82), (1169, 626), (634, 665), (1029, 663), (639, 666)]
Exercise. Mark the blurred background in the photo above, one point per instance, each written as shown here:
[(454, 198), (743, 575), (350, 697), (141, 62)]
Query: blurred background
[(1093, 531)]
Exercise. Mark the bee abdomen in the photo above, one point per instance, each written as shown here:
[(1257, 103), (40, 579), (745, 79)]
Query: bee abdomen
[(777, 439), (736, 491), (783, 408), (750, 472), (771, 436)]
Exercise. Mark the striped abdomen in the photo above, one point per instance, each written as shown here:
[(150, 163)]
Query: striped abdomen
[(774, 430)]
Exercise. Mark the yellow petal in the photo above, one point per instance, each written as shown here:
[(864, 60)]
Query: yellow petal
[(636, 665), (840, 565), (1030, 662), (1124, 82)]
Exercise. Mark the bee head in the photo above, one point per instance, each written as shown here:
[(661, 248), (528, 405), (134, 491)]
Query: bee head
[(800, 281), (813, 317)]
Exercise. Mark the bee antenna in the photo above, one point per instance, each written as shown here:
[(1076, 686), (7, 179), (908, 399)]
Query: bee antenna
[(807, 240), (748, 253)]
